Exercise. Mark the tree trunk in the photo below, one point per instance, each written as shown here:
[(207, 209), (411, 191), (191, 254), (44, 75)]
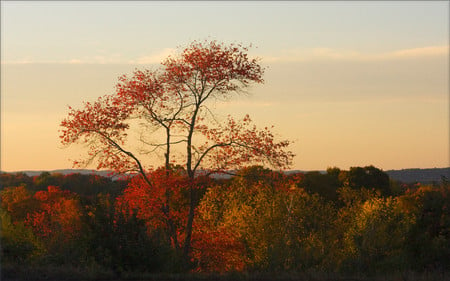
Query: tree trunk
[(188, 231)]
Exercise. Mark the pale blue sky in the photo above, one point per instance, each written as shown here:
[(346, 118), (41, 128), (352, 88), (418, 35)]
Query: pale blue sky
[(60, 31), (353, 83)]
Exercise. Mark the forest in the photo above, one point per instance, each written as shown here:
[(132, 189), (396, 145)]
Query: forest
[(176, 217), (342, 222)]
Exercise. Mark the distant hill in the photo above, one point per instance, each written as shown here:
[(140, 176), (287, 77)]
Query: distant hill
[(65, 172), (424, 176)]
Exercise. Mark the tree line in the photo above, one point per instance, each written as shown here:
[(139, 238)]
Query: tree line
[(177, 218), (260, 220)]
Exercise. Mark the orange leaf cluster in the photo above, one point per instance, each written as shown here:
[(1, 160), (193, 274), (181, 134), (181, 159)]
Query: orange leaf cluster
[(57, 211), (150, 203)]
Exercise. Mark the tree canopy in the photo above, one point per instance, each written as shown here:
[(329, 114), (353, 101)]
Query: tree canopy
[(175, 100)]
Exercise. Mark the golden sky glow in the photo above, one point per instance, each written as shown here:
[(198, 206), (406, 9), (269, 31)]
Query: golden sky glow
[(352, 83)]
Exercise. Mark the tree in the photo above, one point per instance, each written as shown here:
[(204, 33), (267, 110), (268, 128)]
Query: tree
[(282, 227), (19, 243), (368, 177), (325, 185), (122, 242), (58, 222), (174, 100), (16, 179), (376, 238), (54, 216), (429, 239)]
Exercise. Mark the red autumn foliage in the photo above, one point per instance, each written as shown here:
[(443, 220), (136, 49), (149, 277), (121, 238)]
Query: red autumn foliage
[(18, 202), (217, 249), (58, 214), (213, 250), (100, 125), (162, 206), (212, 65), (174, 100)]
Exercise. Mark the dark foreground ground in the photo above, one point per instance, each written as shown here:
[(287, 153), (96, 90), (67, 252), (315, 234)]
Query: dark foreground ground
[(16, 273)]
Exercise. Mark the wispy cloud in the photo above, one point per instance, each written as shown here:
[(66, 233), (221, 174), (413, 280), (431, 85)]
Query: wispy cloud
[(290, 55), (113, 59), (300, 55), (247, 104), (154, 58), (101, 58), (19, 61), (421, 52)]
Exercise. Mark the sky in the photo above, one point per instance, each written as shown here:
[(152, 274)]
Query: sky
[(352, 83)]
